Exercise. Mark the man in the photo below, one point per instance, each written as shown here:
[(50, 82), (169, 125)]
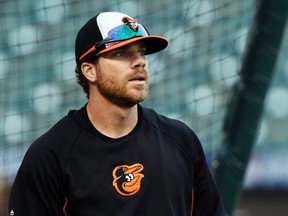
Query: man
[(113, 156)]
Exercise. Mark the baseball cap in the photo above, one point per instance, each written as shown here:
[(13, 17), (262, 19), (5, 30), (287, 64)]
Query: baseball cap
[(110, 30)]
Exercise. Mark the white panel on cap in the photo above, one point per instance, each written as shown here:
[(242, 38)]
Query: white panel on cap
[(109, 20)]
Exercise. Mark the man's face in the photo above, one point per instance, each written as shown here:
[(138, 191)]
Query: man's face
[(122, 75)]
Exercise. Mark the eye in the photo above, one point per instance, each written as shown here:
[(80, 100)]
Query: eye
[(142, 51), (127, 177), (131, 176), (120, 53)]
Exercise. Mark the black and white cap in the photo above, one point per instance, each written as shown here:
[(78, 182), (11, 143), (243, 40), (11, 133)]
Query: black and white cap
[(111, 30)]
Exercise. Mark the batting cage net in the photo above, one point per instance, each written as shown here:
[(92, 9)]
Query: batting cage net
[(190, 81)]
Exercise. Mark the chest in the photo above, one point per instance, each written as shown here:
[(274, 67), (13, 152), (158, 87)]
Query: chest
[(138, 171)]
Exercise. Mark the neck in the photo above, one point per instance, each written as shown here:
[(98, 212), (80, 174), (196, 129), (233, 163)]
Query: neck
[(111, 120)]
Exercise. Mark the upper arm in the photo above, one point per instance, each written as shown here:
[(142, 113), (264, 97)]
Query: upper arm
[(207, 200), (38, 186)]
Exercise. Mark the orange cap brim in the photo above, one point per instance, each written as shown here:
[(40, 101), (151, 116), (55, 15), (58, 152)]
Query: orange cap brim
[(153, 44)]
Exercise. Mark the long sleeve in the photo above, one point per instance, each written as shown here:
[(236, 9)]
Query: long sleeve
[(37, 189), (207, 200)]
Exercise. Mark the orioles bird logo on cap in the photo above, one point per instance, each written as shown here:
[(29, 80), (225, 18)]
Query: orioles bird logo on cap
[(131, 23), (127, 179)]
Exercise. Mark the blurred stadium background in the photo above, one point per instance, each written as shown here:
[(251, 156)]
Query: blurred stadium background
[(191, 80)]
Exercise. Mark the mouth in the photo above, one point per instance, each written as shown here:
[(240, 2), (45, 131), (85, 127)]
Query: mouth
[(139, 79)]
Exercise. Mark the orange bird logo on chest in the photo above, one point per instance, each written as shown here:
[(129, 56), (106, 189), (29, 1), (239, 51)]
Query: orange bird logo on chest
[(127, 179)]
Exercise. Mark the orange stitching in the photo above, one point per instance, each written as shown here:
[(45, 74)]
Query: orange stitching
[(64, 207), (192, 205)]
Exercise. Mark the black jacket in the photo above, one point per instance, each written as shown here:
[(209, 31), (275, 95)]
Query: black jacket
[(158, 169)]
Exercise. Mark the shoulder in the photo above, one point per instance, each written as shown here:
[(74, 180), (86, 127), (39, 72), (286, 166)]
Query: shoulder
[(64, 131), (169, 126), (57, 142), (45, 163), (175, 129)]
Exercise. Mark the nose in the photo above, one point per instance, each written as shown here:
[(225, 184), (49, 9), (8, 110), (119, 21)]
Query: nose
[(138, 61)]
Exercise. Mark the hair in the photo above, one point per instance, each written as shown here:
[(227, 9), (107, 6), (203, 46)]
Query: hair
[(81, 79)]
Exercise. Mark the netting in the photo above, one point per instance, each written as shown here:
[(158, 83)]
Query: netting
[(190, 80)]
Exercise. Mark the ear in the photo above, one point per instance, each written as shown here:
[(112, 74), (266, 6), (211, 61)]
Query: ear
[(89, 71)]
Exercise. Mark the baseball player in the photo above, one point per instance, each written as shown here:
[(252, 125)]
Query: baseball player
[(114, 157)]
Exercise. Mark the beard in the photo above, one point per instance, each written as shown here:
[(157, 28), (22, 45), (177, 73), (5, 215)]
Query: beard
[(123, 95)]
